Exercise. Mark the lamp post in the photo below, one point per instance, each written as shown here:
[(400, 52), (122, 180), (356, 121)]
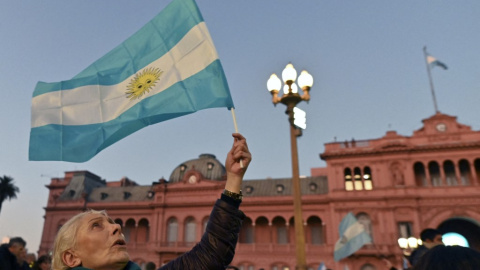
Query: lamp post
[(291, 98), (408, 245)]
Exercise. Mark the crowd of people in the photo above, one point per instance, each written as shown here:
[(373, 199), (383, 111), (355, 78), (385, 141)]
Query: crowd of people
[(13, 256), (434, 255)]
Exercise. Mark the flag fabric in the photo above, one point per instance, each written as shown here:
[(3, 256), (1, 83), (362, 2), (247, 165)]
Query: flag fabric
[(322, 266), (169, 68), (352, 237), (432, 61)]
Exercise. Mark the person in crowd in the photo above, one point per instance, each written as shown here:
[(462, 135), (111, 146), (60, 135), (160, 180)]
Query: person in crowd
[(44, 262), (92, 240), (10, 252), (150, 266), (449, 258), (22, 260), (430, 238)]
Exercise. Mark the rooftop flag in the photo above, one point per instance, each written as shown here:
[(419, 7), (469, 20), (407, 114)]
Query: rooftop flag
[(169, 68), (352, 237), (432, 61)]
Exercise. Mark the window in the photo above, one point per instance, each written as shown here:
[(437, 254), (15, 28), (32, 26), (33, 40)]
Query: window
[(315, 229), (465, 175), (143, 231), (368, 267), (434, 171), (420, 176), (129, 230), (190, 228), (404, 229), (348, 179), (210, 166), (172, 230), (367, 178), (449, 171), (246, 232), (476, 164), (279, 224), (357, 179)]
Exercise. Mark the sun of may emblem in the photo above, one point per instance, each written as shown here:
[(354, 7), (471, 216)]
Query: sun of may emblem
[(143, 82)]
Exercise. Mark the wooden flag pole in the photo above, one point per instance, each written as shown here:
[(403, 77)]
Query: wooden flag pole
[(236, 130)]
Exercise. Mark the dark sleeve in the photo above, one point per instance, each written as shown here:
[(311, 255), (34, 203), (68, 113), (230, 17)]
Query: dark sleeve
[(217, 246)]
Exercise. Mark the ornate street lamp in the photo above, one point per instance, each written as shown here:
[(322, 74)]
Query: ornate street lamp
[(291, 98), (408, 245)]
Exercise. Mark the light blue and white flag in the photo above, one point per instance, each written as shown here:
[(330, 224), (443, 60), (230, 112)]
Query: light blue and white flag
[(169, 68), (322, 266), (352, 237), (432, 61)]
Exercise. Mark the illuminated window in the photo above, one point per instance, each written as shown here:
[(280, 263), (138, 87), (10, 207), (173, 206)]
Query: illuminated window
[(348, 179), (367, 178), (357, 176)]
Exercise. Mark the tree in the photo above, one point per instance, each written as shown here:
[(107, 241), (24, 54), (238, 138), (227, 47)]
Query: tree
[(7, 189)]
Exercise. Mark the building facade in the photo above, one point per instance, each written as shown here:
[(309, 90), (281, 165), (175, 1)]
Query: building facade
[(395, 185)]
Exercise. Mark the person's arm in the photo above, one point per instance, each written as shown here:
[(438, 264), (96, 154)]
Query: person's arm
[(217, 246)]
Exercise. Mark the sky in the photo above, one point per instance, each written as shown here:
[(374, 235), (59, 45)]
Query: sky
[(366, 58)]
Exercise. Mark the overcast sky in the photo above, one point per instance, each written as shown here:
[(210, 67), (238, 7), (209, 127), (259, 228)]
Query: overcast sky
[(365, 56)]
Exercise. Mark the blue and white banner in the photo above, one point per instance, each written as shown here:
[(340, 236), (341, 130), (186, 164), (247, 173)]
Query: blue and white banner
[(169, 68), (352, 237), (432, 61)]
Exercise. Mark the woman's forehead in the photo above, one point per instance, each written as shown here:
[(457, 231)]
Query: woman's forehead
[(93, 216)]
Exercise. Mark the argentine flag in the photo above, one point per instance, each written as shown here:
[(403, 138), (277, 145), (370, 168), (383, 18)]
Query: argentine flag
[(432, 61), (169, 68), (352, 237)]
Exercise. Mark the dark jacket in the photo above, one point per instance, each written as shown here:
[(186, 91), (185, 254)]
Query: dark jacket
[(217, 246), (8, 261), (417, 254)]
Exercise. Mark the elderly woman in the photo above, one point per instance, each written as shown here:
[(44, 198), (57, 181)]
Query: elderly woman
[(92, 240)]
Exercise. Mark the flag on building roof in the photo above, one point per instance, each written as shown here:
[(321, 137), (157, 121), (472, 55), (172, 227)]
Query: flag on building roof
[(432, 61), (169, 68), (352, 237)]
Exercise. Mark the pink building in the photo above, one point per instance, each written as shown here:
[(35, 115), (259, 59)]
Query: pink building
[(395, 185)]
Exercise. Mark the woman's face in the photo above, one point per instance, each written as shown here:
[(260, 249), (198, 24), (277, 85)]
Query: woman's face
[(100, 243)]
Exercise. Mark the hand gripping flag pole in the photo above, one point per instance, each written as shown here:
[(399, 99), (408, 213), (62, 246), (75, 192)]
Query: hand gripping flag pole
[(236, 130)]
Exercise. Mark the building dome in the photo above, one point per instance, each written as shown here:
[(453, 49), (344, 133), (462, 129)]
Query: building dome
[(206, 164)]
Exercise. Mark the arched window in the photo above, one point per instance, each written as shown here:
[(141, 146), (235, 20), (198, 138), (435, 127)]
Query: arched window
[(190, 229), (434, 171), (465, 175), (315, 229), (420, 176), (368, 267), (129, 230), (365, 220), (279, 225), (204, 224), (119, 222), (348, 179), (357, 176), (172, 230), (143, 231), (246, 232), (476, 164), (262, 231), (367, 178), (449, 171)]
